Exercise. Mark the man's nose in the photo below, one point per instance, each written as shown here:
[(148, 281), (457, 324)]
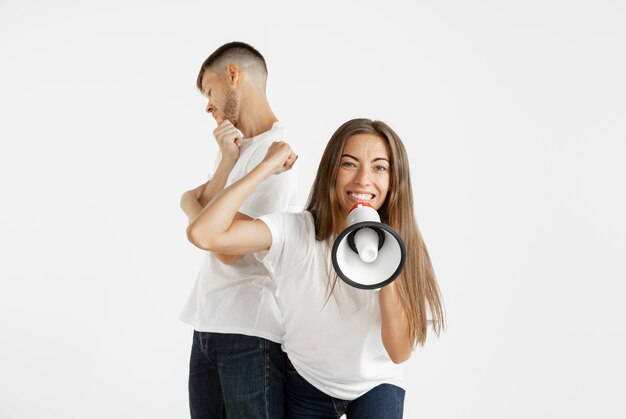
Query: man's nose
[(209, 107)]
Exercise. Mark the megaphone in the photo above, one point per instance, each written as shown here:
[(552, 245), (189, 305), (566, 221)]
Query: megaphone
[(368, 254)]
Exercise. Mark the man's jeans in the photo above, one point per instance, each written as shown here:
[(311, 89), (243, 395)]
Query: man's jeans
[(235, 376), (385, 401)]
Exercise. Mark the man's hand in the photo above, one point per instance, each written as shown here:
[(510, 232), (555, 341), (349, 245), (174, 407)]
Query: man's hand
[(228, 138)]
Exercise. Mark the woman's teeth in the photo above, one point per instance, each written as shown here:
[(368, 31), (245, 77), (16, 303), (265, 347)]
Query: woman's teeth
[(361, 196)]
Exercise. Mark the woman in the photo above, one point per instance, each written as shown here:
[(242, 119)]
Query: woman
[(343, 343)]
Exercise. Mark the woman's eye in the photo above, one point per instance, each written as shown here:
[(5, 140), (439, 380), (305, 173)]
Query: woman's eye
[(348, 164), (380, 168)]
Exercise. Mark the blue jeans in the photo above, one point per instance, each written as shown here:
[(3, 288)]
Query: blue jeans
[(304, 401), (235, 376)]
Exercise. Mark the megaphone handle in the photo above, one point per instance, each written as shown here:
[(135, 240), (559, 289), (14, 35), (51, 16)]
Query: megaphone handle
[(381, 238)]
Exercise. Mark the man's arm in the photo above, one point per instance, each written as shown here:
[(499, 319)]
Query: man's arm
[(215, 228), (192, 205), (193, 201), (189, 203)]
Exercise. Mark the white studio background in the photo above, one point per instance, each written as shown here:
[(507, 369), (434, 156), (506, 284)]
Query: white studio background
[(514, 115)]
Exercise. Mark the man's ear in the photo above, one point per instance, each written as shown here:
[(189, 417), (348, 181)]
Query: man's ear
[(233, 72)]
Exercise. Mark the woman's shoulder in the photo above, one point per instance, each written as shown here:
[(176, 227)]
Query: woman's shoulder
[(293, 237), (301, 220)]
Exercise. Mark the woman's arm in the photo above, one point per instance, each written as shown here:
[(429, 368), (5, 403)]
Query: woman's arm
[(216, 229), (192, 205), (395, 326)]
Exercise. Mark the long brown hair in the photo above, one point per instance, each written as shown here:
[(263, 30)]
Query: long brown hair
[(417, 284)]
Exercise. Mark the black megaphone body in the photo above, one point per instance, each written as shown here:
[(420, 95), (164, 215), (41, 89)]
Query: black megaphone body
[(368, 254)]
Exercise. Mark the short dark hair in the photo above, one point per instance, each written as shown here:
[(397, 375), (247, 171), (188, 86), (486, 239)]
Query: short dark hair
[(234, 53)]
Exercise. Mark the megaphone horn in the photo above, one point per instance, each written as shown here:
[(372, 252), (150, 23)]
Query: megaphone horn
[(368, 254)]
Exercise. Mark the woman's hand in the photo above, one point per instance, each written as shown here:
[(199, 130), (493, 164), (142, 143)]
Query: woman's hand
[(279, 158)]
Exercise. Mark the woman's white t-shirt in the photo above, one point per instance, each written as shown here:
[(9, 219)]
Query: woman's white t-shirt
[(334, 343)]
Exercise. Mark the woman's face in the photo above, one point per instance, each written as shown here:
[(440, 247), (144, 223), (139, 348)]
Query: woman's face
[(363, 172)]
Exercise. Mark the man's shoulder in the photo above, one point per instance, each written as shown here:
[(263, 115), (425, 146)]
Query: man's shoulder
[(265, 139), (256, 150)]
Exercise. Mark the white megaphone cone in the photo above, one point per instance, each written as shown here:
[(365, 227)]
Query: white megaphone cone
[(368, 254)]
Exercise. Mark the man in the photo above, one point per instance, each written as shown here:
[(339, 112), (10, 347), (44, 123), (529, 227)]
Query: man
[(237, 366)]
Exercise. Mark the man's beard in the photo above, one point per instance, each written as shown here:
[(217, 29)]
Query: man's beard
[(231, 107)]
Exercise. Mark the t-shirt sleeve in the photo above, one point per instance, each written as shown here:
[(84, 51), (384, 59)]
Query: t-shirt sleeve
[(278, 193), (291, 242)]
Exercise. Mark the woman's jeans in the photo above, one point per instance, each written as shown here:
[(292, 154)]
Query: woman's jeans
[(235, 376), (385, 401)]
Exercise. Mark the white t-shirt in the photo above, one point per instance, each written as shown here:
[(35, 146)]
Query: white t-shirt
[(240, 298), (336, 344)]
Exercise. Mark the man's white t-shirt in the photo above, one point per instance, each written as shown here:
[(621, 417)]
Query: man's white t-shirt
[(334, 343), (240, 298)]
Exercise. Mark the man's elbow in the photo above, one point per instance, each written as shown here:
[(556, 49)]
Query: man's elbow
[(184, 198)]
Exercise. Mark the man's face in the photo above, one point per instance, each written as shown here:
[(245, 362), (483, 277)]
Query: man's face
[(223, 98)]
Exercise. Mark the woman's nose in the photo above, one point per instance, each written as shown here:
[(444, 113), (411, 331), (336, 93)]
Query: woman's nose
[(362, 177)]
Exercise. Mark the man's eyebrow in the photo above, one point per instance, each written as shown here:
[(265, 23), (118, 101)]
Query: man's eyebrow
[(373, 160)]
